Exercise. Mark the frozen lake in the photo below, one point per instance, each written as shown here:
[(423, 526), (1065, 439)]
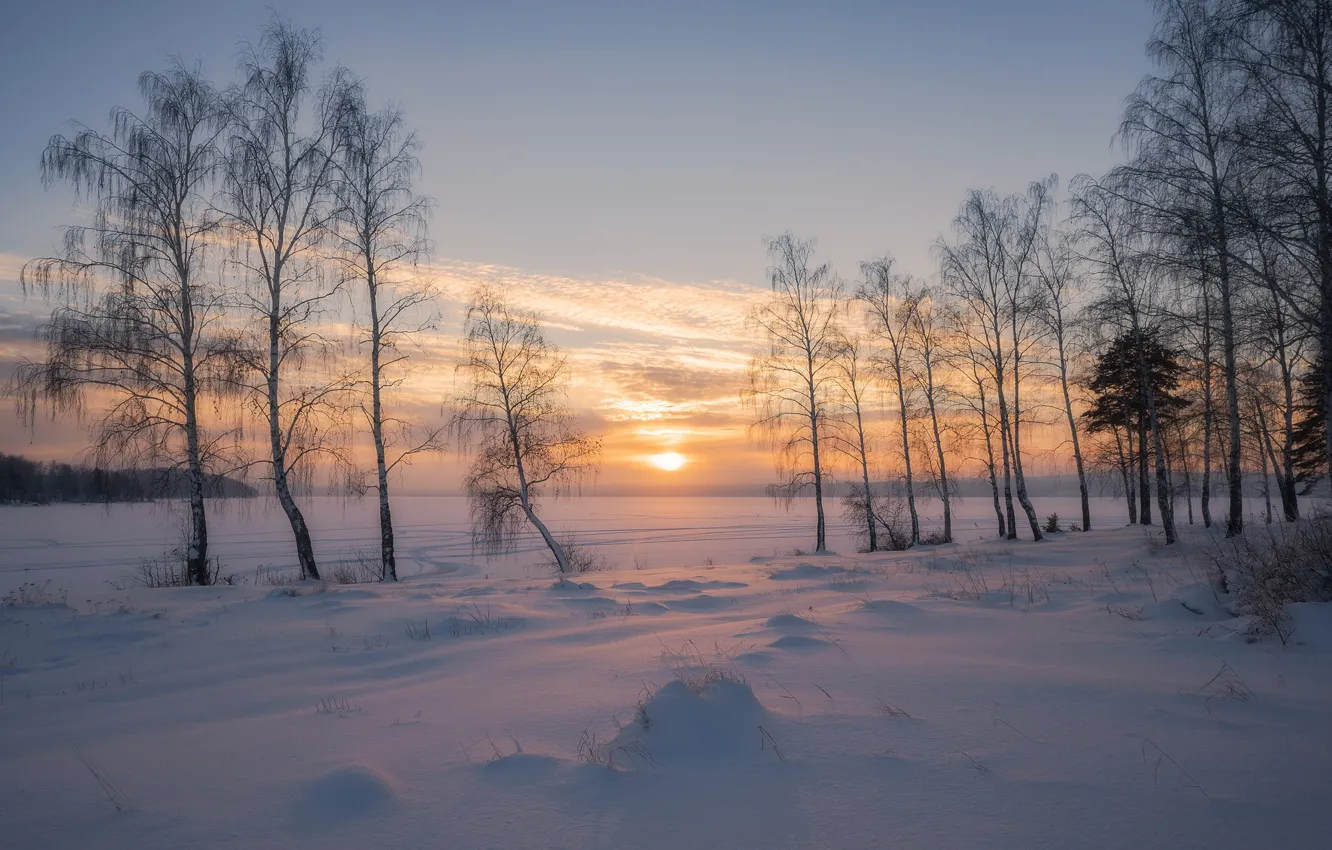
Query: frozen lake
[(81, 547)]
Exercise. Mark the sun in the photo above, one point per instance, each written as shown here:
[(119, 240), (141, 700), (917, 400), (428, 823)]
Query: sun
[(669, 461)]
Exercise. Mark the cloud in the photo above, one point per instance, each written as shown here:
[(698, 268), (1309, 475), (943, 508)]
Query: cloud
[(637, 307)]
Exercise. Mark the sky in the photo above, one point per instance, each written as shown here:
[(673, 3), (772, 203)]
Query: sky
[(621, 162)]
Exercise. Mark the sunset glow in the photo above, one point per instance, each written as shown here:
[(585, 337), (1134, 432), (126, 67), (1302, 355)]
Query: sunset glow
[(668, 461)]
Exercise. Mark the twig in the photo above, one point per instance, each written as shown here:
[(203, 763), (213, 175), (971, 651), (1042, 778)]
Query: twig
[(1161, 756), (765, 738)]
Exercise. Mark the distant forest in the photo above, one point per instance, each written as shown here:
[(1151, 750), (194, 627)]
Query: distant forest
[(24, 481)]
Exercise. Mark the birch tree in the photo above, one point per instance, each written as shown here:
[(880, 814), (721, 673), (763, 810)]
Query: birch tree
[(139, 324), (929, 344), (1056, 271), (852, 439), (280, 205), (793, 379), (512, 414), (889, 302), (380, 230), (979, 270)]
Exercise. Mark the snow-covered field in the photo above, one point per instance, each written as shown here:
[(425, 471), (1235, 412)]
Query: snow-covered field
[(1083, 692)]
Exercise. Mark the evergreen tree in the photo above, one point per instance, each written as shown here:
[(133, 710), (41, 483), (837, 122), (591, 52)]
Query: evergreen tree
[(1310, 447), (1119, 399)]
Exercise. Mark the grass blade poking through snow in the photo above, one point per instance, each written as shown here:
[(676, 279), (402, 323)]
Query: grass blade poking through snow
[(118, 798)]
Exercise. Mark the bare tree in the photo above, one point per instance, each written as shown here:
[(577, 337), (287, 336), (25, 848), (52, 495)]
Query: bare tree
[(280, 205), (1029, 219), (381, 225), (972, 358), (1115, 251), (928, 343), (890, 302), (1056, 270), (1278, 340), (852, 439), (1184, 163), (140, 320), (980, 269), (1284, 51), (793, 380), (513, 414)]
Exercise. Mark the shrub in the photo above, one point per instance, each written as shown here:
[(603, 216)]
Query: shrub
[(1265, 572), (361, 568), (30, 594), (581, 558), (890, 519), (170, 570), (1052, 524)]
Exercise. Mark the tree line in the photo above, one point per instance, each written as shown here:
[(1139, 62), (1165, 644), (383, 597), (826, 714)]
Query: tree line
[(1175, 312), (232, 226), (34, 482)]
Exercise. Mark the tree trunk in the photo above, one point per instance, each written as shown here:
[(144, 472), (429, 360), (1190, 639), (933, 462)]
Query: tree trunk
[(871, 528), (561, 557), (906, 448), (1126, 471), (1267, 490), (1073, 433), (1162, 474), (938, 448), (1234, 471), (304, 546), (388, 557), (1208, 436), (989, 459), (1144, 481), (821, 544), (1188, 473), (1021, 479), (1004, 443), (196, 557), (1158, 444)]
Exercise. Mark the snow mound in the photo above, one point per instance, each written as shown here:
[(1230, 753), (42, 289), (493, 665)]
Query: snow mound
[(701, 602), (572, 586), (1192, 602), (1311, 624), (678, 585), (789, 622), (805, 571), (715, 722), (647, 608), (345, 793), (685, 584), (799, 642), (887, 606)]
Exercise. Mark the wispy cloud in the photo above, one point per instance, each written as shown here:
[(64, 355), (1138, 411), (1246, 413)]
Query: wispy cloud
[(640, 306)]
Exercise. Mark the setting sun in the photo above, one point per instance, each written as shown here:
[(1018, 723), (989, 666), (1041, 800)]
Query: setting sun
[(669, 461)]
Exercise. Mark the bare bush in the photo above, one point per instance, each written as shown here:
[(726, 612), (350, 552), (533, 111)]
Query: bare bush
[(272, 577), (579, 557), (890, 519), (361, 568), (30, 594), (1264, 572), (173, 569)]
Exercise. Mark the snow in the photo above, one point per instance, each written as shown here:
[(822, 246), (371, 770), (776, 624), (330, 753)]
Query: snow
[(1089, 691)]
